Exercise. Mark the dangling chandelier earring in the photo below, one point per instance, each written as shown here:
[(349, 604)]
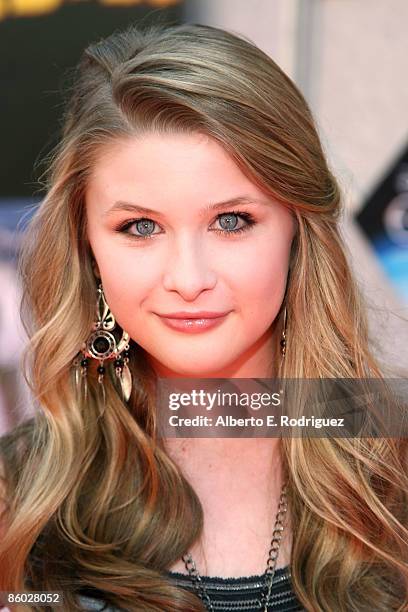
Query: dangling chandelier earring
[(102, 345)]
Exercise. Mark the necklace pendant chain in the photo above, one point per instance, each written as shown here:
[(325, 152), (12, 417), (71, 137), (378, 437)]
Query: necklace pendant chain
[(270, 565)]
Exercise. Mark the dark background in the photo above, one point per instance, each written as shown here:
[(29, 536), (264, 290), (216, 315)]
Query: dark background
[(37, 55)]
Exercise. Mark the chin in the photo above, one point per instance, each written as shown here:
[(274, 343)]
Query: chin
[(197, 372), (200, 369)]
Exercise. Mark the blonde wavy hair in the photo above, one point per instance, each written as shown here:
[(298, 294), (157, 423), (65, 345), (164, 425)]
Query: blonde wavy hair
[(90, 497)]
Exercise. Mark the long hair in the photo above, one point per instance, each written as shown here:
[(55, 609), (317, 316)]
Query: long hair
[(90, 497)]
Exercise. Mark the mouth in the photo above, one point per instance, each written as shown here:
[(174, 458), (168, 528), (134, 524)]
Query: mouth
[(199, 314), (193, 324)]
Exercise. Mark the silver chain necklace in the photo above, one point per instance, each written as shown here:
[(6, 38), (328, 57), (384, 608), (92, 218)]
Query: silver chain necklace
[(270, 565)]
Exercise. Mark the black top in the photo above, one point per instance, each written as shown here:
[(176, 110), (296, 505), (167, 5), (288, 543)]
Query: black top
[(232, 594), (228, 594)]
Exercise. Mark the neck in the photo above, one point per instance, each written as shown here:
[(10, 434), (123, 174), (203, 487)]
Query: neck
[(239, 483), (226, 469)]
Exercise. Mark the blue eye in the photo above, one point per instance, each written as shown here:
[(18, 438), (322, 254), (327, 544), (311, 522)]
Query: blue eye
[(228, 221), (145, 226)]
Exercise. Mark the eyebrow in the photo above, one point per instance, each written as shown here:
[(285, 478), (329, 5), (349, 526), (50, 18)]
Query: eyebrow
[(237, 201)]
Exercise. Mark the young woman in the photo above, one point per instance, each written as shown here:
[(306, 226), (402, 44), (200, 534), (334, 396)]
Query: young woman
[(190, 230)]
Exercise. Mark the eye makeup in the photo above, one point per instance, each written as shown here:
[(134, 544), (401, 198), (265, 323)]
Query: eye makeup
[(249, 220)]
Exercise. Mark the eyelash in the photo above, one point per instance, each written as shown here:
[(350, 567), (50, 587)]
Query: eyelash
[(247, 217)]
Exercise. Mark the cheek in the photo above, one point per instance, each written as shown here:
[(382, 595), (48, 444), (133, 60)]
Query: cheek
[(263, 293), (259, 273), (127, 282)]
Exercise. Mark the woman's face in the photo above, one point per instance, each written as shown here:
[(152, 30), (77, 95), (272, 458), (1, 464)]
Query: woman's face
[(207, 240)]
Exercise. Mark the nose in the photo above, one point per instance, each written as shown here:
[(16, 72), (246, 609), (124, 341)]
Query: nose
[(188, 270)]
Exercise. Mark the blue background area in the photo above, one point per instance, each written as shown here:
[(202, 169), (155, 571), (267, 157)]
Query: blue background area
[(394, 260)]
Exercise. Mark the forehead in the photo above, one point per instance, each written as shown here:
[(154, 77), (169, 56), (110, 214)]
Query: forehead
[(162, 168)]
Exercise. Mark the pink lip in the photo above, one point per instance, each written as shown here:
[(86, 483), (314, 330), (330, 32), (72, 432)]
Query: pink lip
[(200, 314), (194, 324)]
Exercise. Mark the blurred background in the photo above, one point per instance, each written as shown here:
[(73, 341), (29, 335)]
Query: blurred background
[(348, 57)]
